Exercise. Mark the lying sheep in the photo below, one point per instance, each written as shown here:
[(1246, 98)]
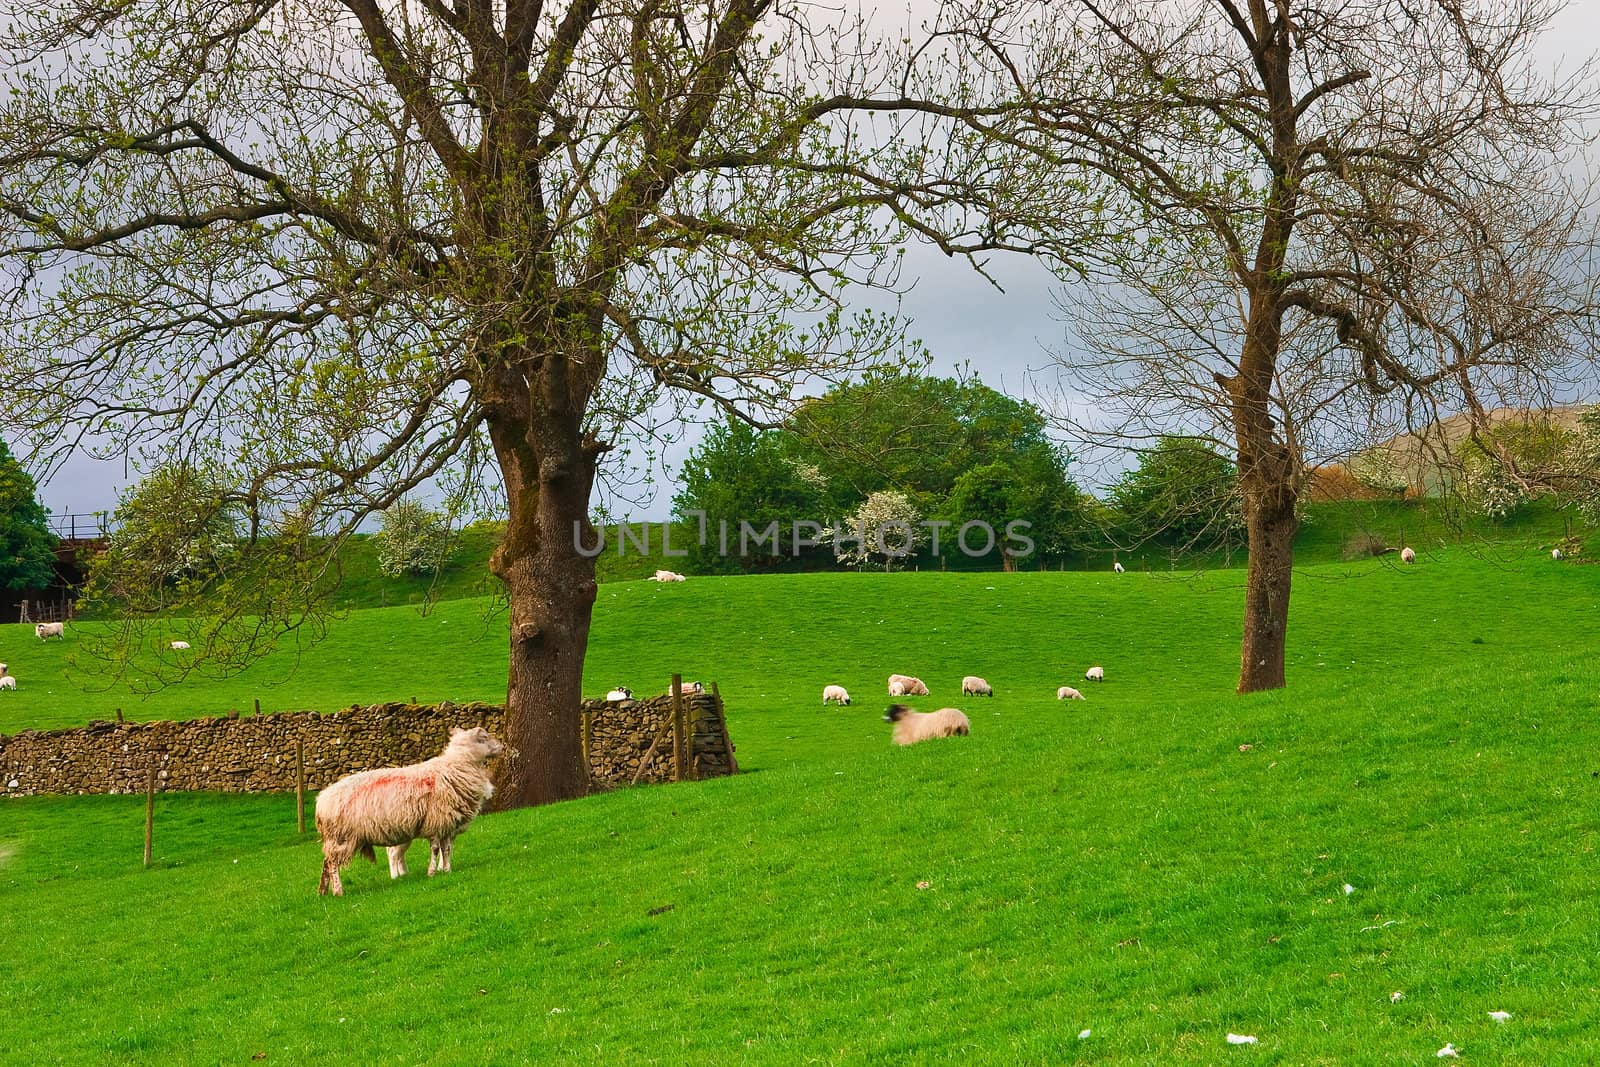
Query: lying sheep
[(1095, 674), (392, 806), (620, 693), (972, 685), (180, 646), (667, 576), (46, 630), (912, 726), (903, 685), (835, 693), (694, 687), (1066, 692), (1407, 555)]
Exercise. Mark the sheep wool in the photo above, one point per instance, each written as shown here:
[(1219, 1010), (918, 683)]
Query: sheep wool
[(911, 726), (392, 806), (904, 685), (972, 685), (1066, 692), (836, 694)]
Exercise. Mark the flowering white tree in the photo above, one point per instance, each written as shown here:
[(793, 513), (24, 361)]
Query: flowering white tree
[(883, 529)]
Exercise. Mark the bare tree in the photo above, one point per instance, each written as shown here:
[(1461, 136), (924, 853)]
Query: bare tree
[(362, 245), (1336, 220)]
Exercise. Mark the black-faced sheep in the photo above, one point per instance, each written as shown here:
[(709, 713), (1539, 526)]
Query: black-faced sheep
[(911, 726), (1095, 674), (972, 685), (392, 806), (835, 693), (904, 685), (621, 692)]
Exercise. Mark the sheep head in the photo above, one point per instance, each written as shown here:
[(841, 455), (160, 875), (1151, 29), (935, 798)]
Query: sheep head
[(476, 744), (896, 712)]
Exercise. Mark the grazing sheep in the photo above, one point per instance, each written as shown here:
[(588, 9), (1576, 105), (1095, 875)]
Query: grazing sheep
[(912, 726), (667, 576), (1117, 567), (972, 685), (1095, 674), (1066, 692), (46, 630), (392, 806), (835, 693), (903, 685), (1407, 555), (620, 693), (1555, 553), (180, 646)]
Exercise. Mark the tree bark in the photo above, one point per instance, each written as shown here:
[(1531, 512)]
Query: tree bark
[(1266, 597), (552, 591)]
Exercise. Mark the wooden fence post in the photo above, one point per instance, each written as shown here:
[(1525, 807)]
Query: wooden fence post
[(679, 746), (587, 739), (258, 705), (149, 812), (300, 784)]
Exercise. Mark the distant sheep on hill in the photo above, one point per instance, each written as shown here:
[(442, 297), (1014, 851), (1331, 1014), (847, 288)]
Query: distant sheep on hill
[(392, 806), (1117, 567), (180, 646), (621, 692), (1407, 555), (46, 630), (666, 576), (913, 726), (7, 681)]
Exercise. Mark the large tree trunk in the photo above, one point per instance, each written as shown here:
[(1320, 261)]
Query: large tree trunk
[(1271, 524), (552, 591), (549, 465)]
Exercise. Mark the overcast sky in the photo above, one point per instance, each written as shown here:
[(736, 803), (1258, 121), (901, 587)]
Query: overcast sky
[(1006, 336)]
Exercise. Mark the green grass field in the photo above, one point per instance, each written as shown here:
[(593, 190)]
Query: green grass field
[(1118, 865)]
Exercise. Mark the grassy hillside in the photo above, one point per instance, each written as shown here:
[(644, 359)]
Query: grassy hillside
[(1120, 865)]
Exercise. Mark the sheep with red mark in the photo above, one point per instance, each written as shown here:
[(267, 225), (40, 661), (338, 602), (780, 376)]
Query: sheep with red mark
[(904, 685), (392, 806), (911, 726)]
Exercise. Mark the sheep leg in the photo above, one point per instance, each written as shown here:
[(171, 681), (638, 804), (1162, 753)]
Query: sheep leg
[(397, 860), (435, 856), (445, 846)]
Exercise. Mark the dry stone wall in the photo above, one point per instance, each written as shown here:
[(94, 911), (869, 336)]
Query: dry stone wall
[(256, 753)]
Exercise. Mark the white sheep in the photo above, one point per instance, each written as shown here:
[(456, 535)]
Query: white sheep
[(667, 576), (904, 685), (46, 630), (620, 693), (835, 693), (392, 806), (1407, 555), (6, 681), (180, 646), (1117, 566), (1555, 553), (694, 687), (912, 726), (1066, 692), (1095, 674), (972, 685)]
